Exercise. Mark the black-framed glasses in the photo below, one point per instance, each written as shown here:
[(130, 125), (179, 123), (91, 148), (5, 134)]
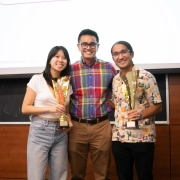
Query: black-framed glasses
[(92, 45), (122, 52)]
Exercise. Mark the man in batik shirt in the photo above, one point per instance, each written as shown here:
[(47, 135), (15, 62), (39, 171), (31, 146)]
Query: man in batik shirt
[(134, 133)]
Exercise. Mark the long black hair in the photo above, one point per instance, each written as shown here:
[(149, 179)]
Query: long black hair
[(47, 71), (124, 43)]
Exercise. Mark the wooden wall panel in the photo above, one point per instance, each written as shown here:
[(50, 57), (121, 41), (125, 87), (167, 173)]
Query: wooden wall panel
[(162, 153), (13, 140), (174, 98), (174, 102), (175, 152)]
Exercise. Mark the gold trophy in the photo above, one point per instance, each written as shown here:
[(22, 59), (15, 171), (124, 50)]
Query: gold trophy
[(130, 79), (61, 86)]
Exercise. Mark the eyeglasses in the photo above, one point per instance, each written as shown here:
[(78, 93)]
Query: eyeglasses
[(92, 45), (122, 52)]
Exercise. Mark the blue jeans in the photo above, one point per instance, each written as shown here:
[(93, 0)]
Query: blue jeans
[(46, 144)]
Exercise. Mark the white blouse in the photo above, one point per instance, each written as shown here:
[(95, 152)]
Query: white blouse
[(44, 96)]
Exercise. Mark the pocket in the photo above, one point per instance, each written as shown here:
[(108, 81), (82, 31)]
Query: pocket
[(38, 124)]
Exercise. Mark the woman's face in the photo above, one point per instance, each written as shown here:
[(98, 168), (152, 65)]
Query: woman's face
[(58, 63)]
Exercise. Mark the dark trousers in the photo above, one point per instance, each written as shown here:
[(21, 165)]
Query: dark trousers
[(128, 154)]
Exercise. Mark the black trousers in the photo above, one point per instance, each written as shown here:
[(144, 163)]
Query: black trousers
[(126, 155)]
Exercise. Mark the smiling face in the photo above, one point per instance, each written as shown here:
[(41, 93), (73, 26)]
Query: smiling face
[(122, 57), (58, 63), (88, 47)]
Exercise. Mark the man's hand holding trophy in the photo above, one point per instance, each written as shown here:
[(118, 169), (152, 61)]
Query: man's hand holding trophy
[(130, 86)]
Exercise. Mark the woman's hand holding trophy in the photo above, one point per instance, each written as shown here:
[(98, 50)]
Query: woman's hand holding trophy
[(61, 86)]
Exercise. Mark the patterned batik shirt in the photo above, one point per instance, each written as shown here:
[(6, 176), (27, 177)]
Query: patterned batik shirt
[(147, 93), (91, 88)]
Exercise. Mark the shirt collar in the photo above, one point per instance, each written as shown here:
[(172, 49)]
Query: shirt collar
[(133, 68), (84, 63)]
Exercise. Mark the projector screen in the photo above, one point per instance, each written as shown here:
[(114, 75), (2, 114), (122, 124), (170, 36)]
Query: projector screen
[(29, 29)]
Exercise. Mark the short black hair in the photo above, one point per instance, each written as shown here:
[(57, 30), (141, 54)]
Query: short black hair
[(88, 32), (124, 43), (47, 71)]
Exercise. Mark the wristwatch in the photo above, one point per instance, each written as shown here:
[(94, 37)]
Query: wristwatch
[(140, 116)]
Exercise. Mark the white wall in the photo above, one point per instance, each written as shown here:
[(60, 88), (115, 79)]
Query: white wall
[(30, 28)]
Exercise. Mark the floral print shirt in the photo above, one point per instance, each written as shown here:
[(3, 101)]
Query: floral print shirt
[(147, 93)]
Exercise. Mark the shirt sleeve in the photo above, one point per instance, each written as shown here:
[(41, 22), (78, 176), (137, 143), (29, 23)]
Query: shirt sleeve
[(70, 89), (114, 72), (33, 83), (152, 90)]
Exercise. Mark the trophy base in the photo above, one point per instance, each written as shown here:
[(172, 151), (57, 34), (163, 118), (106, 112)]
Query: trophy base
[(63, 124), (132, 124)]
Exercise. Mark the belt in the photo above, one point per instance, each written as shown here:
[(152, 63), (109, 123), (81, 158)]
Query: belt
[(49, 119), (89, 120)]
